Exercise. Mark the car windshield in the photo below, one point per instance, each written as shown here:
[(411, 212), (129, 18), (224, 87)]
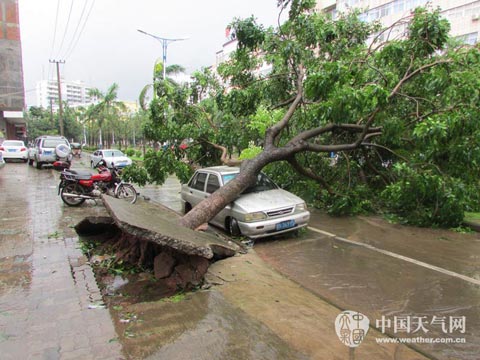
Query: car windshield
[(263, 183), (51, 143), (113, 153), (13, 143)]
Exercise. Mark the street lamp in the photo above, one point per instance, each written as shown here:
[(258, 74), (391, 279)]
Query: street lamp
[(164, 42)]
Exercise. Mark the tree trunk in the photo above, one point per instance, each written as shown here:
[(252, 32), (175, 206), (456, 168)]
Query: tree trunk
[(211, 206)]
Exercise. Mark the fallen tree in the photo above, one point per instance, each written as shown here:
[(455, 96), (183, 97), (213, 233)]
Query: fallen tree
[(393, 106)]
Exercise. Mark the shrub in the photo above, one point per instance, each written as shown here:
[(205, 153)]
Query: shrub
[(423, 198), (130, 152)]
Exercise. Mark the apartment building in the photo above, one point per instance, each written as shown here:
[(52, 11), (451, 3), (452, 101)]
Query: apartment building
[(75, 93), (463, 15)]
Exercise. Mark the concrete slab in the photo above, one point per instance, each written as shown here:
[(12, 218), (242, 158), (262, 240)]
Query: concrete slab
[(156, 223)]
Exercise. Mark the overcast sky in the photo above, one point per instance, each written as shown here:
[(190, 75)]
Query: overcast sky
[(110, 49)]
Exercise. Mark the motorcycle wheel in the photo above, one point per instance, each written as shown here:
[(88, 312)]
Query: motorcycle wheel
[(126, 192), (72, 189)]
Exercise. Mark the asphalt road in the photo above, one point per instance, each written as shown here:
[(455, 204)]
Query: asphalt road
[(422, 285)]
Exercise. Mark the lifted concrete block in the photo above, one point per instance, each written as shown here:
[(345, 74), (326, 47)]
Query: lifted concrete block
[(156, 223)]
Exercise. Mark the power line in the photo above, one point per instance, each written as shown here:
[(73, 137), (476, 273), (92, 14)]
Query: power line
[(55, 29), (76, 28), (81, 31), (66, 27), (16, 93)]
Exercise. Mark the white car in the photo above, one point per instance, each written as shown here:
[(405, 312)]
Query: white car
[(112, 157), (261, 210), (14, 149)]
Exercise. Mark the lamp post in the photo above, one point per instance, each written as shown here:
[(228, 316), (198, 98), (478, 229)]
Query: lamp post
[(165, 42)]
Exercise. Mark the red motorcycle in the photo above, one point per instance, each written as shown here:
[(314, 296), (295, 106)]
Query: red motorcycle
[(76, 186)]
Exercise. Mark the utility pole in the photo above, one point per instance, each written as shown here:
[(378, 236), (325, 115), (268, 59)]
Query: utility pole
[(60, 108), (51, 111)]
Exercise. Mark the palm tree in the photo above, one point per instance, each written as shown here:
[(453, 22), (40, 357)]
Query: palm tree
[(171, 70), (106, 110)]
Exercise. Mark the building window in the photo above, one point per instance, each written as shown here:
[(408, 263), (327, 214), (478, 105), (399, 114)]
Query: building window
[(470, 39)]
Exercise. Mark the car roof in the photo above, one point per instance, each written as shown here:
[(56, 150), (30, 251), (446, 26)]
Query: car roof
[(108, 150), (222, 169), (52, 137)]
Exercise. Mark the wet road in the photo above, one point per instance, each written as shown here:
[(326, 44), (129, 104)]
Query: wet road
[(426, 279), (49, 297)]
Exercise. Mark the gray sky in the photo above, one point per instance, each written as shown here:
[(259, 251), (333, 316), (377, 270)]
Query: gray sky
[(111, 49)]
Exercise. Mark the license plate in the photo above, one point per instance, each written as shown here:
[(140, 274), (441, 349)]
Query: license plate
[(285, 225), (12, 150), (47, 152)]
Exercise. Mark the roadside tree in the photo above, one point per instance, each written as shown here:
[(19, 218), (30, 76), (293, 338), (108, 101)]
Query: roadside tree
[(385, 124)]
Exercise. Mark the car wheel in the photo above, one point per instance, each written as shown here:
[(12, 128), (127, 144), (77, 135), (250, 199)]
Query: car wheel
[(38, 164), (188, 207), (233, 227)]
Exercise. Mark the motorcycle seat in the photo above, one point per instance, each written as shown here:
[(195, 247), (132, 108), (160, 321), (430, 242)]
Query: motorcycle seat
[(81, 174)]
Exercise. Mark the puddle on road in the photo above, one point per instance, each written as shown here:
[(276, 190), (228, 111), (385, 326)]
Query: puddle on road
[(152, 322), (352, 277), (440, 247), (15, 273), (200, 325)]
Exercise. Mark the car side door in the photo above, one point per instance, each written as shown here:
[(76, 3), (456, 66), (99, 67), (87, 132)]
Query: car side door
[(95, 158), (196, 188), (213, 184)]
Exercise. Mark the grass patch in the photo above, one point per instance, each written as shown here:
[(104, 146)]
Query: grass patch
[(472, 216), (175, 298)]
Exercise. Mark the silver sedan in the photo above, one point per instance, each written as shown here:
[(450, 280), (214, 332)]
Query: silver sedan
[(111, 156), (262, 210)]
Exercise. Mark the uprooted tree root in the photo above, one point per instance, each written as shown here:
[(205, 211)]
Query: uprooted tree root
[(173, 268)]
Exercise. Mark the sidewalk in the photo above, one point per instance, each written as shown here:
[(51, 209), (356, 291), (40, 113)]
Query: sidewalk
[(49, 300)]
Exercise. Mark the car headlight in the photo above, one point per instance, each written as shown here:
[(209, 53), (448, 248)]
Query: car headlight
[(301, 207), (256, 216)]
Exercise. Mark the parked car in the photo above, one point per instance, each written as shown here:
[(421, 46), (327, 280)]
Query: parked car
[(48, 149), (2, 162), (14, 149), (261, 210), (112, 157)]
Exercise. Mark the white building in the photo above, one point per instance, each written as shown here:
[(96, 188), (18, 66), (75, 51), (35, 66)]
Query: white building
[(75, 93), (463, 15)]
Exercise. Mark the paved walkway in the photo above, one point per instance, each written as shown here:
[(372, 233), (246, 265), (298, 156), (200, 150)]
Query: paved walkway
[(50, 305)]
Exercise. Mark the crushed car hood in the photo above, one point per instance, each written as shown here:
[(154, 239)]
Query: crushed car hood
[(266, 200)]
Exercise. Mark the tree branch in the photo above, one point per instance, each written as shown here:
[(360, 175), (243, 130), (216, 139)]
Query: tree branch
[(414, 73), (330, 128), (224, 158), (309, 173), (387, 149), (273, 131)]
